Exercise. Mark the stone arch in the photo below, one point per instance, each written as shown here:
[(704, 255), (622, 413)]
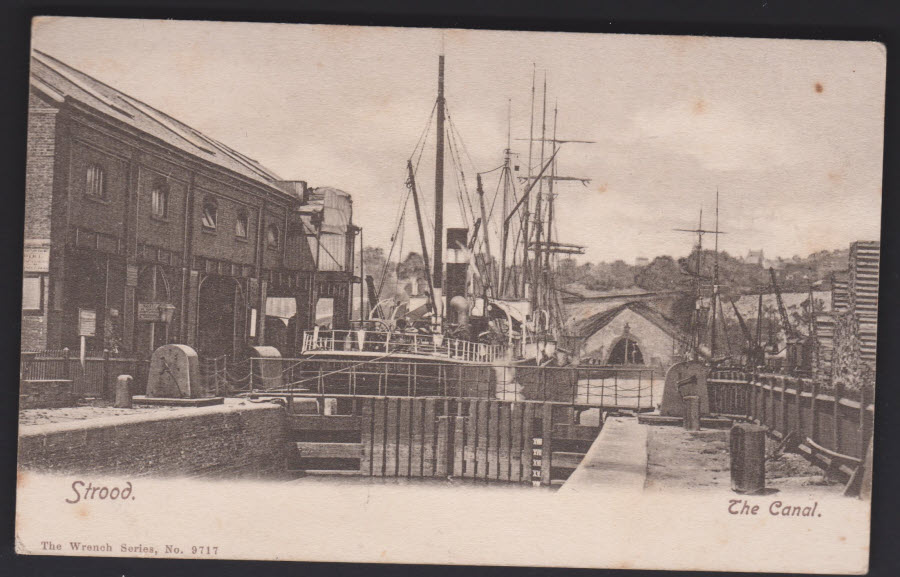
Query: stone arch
[(626, 350)]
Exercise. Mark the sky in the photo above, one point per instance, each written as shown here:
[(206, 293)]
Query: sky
[(790, 132)]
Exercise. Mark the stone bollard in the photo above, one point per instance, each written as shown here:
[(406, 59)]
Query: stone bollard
[(748, 458), (329, 406), (692, 413), (123, 392)]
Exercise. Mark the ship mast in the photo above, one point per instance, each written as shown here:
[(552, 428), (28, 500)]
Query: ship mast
[(696, 339), (437, 275), (505, 176), (527, 215), (538, 218), (715, 291), (546, 271)]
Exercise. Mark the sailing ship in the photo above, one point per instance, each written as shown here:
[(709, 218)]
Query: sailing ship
[(482, 323)]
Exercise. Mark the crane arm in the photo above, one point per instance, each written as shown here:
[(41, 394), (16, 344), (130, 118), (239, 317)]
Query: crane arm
[(785, 320), (744, 328)]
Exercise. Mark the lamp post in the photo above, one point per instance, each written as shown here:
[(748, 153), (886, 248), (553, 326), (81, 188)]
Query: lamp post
[(166, 314)]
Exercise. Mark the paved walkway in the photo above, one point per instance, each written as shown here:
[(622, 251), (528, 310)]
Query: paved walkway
[(616, 460)]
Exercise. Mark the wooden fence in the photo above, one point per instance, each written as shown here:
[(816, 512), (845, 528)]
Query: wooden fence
[(832, 427), (512, 441), (95, 378)]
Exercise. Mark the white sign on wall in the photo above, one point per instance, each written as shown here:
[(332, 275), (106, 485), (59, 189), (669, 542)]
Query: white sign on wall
[(36, 259)]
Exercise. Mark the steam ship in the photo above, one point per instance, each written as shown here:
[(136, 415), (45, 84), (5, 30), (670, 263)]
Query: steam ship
[(485, 324)]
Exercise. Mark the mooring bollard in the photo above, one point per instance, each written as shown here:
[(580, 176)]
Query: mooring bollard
[(329, 406), (123, 392), (692, 413), (748, 458)]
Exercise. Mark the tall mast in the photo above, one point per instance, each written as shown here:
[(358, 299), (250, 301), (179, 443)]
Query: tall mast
[(697, 331), (715, 293), (759, 315), (506, 179), (546, 271), (489, 268), (437, 275), (527, 216), (411, 183), (538, 221)]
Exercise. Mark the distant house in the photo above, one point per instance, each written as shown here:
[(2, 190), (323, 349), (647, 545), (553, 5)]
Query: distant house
[(633, 333), (641, 261), (755, 257)]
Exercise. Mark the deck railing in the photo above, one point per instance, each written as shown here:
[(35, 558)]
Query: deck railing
[(398, 342), (612, 387)]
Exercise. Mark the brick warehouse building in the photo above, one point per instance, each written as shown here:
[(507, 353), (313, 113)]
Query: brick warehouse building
[(148, 232)]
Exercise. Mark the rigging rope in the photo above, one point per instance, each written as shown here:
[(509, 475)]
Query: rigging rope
[(456, 138), (455, 161)]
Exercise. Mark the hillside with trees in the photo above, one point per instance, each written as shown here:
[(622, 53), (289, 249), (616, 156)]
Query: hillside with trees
[(663, 273)]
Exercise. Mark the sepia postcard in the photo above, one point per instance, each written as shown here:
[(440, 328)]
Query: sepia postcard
[(470, 297)]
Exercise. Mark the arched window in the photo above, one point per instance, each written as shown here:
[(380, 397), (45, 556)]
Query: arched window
[(241, 224), (210, 213), (159, 199), (272, 236), (95, 184)]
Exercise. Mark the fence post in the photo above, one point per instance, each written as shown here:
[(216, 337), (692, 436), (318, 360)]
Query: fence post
[(784, 418), (575, 388), (616, 388), (104, 375), (66, 369), (813, 410), (651, 390), (216, 374), (640, 375), (863, 428), (835, 416), (752, 406)]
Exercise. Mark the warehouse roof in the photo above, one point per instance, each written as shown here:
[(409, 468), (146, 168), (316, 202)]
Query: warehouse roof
[(61, 82)]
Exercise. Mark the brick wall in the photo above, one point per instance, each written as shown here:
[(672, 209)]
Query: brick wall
[(220, 441), (41, 143), (39, 168)]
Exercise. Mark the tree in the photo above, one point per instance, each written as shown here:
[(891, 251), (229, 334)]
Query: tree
[(663, 273)]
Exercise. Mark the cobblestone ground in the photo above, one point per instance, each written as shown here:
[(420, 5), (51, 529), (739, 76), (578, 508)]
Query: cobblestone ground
[(679, 459)]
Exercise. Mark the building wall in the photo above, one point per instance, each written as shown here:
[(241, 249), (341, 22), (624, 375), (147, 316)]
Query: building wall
[(104, 252), (219, 441), (119, 231), (107, 215), (39, 182), (656, 345)]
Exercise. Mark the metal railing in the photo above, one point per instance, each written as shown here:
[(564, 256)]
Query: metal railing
[(625, 387), (399, 342)]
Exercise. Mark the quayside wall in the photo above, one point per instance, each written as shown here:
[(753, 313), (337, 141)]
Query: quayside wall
[(232, 440)]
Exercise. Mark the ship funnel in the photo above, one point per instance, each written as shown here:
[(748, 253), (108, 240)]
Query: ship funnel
[(457, 269)]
